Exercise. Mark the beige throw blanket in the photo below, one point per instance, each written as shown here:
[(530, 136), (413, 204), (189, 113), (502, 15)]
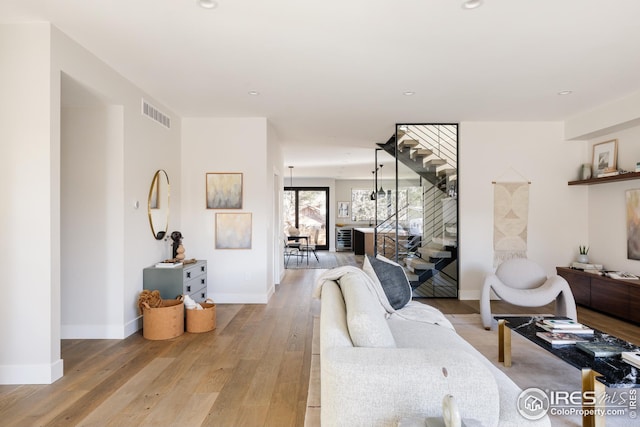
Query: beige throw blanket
[(413, 311), (510, 220)]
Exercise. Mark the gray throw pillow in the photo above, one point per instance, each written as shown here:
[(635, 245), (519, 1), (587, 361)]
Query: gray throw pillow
[(393, 280)]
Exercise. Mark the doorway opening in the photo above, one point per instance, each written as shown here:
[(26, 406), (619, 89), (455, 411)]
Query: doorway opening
[(307, 209)]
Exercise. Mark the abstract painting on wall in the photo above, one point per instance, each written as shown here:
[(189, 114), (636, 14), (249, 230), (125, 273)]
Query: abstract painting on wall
[(233, 231), (633, 224), (224, 190)]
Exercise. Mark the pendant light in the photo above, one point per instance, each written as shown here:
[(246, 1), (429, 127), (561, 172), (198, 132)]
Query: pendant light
[(381, 192), (373, 193), (290, 176)]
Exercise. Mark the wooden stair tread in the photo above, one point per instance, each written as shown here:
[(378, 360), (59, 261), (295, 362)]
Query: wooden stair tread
[(435, 162), (432, 252), (414, 264), (411, 275), (448, 171), (420, 152), (446, 241), (407, 143)]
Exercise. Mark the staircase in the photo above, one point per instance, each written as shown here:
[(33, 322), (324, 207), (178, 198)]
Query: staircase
[(430, 259)]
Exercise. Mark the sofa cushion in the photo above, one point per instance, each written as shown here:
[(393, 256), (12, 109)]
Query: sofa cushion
[(391, 277), (366, 318)]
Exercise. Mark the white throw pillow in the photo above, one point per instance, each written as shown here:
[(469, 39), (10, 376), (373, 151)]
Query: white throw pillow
[(366, 318)]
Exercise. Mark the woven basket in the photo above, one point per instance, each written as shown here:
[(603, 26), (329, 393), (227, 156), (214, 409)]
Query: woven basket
[(164, 322), (204, 320)]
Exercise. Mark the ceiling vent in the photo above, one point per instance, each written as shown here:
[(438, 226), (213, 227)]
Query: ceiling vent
[(156, 115)]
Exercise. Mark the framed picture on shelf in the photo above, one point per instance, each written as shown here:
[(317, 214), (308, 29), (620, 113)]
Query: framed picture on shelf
[(344, 209), (605, 157)]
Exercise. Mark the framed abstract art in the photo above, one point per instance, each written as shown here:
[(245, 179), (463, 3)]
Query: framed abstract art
[(224, 190)]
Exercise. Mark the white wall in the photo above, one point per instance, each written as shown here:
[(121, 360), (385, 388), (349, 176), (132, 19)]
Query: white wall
[(606, 212), (91, 183), (275, 161), (136, 151), (536, 152), (231, 145), (28, 219), (34, 58), (615, 116)]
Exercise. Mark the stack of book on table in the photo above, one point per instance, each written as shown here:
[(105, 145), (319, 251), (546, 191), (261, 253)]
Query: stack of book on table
[(600, 348), (621, 275), (558, 338), (631, 357), (564, 326), (168, 264), (588, 268), (563, 332)]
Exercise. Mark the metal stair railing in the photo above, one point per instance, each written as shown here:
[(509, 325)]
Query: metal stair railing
[(387, 239), (440, 140)]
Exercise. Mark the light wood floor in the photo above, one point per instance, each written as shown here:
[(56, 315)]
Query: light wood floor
[(253, 370)]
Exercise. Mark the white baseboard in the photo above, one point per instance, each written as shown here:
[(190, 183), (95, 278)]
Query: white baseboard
[(32, 374), (103, 332), (271, 291), (133, 326), (473, 294)]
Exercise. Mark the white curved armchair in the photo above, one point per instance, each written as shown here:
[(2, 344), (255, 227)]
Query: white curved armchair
[(523, 282)]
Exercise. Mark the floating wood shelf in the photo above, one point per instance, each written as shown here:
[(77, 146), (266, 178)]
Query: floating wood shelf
[(622, 177)]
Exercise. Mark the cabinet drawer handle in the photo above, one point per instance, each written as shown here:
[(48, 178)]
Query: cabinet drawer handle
[(202, 281), (188, 288), (203, 295), (202, 268), (188, 274)]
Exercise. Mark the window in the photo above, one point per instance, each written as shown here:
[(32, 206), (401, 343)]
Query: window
[(409, 205), (362, 207)]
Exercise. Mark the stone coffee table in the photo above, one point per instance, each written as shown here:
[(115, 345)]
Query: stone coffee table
[(597, 372)]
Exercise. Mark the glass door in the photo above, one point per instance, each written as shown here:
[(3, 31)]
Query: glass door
[(307, 209)]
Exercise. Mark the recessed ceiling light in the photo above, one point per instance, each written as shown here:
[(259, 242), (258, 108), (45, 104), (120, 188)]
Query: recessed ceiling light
[(408, 93), (253, 93), (565, 92), (208, 4), (471, 4)]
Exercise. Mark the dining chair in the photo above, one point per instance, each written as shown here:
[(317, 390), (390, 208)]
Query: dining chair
[(310, 245)]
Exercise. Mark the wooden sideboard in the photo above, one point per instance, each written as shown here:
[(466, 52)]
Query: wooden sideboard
[(619, 298)]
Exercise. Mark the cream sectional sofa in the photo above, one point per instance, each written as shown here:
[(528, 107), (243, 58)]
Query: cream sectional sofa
[(380, 364)]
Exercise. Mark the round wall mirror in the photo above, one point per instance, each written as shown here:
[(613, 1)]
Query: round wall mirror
[(158, 205)]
